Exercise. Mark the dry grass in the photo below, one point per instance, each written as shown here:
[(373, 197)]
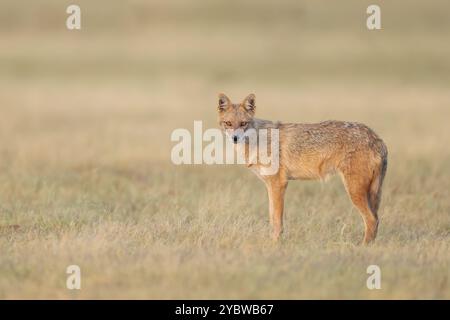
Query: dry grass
[(85, 165)]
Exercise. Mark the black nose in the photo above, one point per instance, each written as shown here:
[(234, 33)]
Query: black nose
[(235, 139)]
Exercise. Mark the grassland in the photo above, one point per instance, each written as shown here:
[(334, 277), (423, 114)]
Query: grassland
[(85, 166)]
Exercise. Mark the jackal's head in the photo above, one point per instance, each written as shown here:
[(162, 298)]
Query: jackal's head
[(236, 118)]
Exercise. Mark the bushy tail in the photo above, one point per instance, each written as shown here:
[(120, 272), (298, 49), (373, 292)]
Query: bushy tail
[(376, 184)]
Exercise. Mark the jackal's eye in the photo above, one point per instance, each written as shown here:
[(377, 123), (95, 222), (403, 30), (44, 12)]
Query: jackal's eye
[(228, 123), (244, 123)]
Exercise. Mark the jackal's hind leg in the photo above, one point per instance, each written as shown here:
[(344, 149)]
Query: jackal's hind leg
[(358, 190)]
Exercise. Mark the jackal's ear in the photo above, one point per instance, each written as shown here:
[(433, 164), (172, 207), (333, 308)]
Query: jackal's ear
[(249, 103), (224, 102)]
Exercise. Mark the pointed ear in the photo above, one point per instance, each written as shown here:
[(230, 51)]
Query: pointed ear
[(224, 102), (249, 103)]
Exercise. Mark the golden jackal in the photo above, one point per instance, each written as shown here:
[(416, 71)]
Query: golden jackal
[(313, 151)]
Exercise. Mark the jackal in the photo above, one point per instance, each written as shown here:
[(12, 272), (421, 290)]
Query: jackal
[(314, 151)]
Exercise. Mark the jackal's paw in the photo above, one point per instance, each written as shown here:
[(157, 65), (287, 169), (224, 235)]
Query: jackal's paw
[(276, 236), (368, 242)]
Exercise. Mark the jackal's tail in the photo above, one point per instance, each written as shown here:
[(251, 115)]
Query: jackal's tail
[(377, 182)]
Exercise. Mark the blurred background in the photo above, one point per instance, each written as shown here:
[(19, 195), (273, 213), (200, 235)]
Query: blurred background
[(147, 67), (85, 170)]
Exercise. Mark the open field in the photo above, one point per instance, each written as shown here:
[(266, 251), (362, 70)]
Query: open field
[(85, 169)]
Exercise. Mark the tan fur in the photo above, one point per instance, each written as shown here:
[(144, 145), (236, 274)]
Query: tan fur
[(314, 151)]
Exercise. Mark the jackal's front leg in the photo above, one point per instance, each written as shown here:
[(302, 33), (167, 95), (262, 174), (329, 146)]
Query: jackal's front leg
[(275, 191)]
